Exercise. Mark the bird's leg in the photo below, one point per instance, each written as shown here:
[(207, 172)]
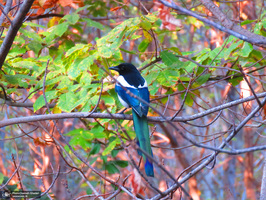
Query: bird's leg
[(122, 112)]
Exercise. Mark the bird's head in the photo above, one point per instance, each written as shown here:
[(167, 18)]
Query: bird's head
[(125, 68)]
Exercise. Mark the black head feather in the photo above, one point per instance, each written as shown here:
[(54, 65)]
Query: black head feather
[(125, 68), (130, 74)]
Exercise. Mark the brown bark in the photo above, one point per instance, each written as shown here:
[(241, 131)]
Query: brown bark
[(249, 180), (263, 182), (248, 163), (247, 10)]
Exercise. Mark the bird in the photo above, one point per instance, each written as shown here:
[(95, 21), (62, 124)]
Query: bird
[(131, 79)]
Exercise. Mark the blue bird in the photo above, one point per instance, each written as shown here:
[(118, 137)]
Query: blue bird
[(130, 78)]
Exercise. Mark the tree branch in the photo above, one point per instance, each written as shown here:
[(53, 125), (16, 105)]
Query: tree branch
[(210, 159), (12, 31), (35, 118), (5, 11), (228, 26)]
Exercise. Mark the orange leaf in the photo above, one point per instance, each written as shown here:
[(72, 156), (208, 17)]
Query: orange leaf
[(116, 8), (168, 20), (65, 3), (136, 183), (40, 11), (39, 142)]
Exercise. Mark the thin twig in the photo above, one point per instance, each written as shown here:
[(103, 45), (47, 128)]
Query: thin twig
[(52, 184), (184, 99), (18, 166), (249, 85)]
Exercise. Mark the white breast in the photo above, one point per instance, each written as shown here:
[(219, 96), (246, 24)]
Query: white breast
[(123, 82)]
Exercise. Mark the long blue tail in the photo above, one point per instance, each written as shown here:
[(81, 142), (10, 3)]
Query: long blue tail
[(142, 133)]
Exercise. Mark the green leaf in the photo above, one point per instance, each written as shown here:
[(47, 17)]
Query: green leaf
[(67, 102), (170, 59), (145, 25), (99, 135), (98, 132), (235, 81), (64, 83), (143, 45), (75, 48), (81, 141), (72, 19), (152, 76), (96, 149), (54, 80), (114, 153), (31, 34), (168, 77), (106, 51), (85, 79), (203, 78), (74, 71), (15, 51), (232, 47), (35, 46), (176, 50), (82, 8), (216, 54), (81, 137), (39, 103), (75, 132), (31, 24), (134, 37), (110, 147), (1, 178), (190, 67), (87, 62), (108, 100), (121, 163), (92, 23), (130, 52), (246, 49), (189, 101), (247, 22), (28, 64), (59, 29), (111, 168)]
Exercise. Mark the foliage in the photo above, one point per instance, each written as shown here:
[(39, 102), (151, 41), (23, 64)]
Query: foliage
[(76, 81)]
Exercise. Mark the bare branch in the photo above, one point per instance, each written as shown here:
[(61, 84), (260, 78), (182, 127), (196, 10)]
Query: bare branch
[(52, 184), (17, 168), (228, 26), (6, 10), (210, 159), (19, 120), (12, 31)]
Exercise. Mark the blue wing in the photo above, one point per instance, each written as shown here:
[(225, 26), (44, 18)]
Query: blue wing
[(140, 108)]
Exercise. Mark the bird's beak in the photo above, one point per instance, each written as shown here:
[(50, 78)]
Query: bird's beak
[(114, 68)]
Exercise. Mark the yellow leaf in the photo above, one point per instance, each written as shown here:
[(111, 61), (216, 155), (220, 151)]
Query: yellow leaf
[(56, 110), (42, 2)]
